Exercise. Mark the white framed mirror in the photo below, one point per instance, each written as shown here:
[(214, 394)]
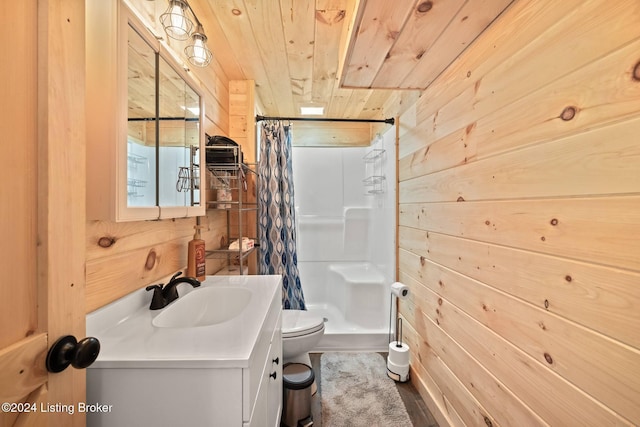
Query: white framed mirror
[(145, 136)]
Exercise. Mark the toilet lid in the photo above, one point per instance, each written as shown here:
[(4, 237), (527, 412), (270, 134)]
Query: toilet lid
[(296, 323)]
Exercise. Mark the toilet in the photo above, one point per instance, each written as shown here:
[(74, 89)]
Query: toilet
[(301, 332)]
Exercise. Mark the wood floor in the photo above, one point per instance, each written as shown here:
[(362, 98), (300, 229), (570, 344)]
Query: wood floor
[(416, 408)]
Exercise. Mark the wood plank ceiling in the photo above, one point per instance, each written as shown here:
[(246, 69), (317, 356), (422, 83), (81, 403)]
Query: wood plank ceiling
[(356, 58), (350, 56), (406, 44), (292, 49)]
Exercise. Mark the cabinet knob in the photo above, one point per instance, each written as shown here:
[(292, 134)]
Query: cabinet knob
[(276, 360), (273, 375)]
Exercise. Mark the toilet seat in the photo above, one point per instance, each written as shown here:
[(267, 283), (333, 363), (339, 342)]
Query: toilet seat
[(297, 323)]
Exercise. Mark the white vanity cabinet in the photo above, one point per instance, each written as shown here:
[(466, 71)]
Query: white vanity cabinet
[(226, 375)]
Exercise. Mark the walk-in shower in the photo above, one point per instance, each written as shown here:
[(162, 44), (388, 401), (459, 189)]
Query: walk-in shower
[(345, 211)]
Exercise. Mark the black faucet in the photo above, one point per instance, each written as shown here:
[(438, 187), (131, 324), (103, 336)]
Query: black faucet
[(162, 296)]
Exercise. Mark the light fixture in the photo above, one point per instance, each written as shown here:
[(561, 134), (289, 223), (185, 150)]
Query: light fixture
[(178, 25), (198, 53), (312, 111), (175, 21)]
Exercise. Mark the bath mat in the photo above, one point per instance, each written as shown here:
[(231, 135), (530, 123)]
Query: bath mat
[(356, 391)]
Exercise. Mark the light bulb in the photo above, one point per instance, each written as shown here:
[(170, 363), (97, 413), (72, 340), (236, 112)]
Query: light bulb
[(199, 51), (177, 17)]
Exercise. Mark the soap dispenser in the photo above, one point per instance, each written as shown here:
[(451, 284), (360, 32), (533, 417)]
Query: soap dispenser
[(197, 265)]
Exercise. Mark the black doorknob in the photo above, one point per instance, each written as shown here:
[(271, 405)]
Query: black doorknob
[(68, 351)]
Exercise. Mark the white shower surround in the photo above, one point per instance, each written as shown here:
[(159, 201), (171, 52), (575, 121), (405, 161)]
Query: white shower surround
[(346, 240)]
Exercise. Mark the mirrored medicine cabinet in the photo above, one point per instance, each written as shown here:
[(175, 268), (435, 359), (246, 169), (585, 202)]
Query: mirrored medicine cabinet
[(144, 122)]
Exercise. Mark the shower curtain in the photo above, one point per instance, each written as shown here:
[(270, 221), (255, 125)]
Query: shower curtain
[(276, 211)]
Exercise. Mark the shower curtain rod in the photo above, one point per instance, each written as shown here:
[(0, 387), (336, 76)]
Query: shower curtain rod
[(390, 121)]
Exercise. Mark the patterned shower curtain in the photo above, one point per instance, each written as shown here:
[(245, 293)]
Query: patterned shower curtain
[(276, 210)]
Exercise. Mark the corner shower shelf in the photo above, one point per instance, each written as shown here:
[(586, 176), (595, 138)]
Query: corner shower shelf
[(373, 180), (136, 159), (376, 181), (373, 155)]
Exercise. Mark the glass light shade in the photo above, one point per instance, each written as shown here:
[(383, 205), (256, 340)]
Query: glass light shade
[(198, 52), (175, 21)]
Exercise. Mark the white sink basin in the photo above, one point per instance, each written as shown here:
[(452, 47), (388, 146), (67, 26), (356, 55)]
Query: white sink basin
[(204, 306), (215, 325)]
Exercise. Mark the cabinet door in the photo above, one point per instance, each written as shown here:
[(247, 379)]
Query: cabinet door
[(274, 392), (268, 402), (141, 122), (259, 415), (178, 139)]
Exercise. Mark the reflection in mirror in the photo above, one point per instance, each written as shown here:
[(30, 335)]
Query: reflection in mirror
[(192, 140), (179, 139), (141, 144)]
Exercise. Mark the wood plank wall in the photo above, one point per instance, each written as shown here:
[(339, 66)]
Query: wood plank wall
[(123, 257), (519, 201)]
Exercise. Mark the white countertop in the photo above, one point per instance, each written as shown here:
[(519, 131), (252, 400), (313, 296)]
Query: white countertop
[(129, 340)]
